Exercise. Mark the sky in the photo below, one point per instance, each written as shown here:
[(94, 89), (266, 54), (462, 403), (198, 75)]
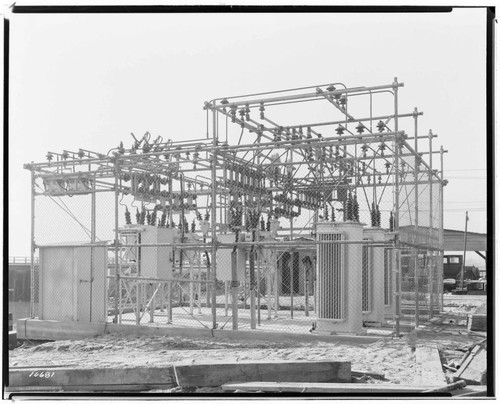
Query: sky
[(88, 81)]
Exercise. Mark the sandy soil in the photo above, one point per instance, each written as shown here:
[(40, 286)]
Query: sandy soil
[(394, 358)]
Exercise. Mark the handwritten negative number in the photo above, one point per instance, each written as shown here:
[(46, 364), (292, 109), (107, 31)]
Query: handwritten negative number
[(41, 374)]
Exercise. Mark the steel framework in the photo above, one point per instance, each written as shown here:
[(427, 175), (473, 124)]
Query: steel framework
[(271, 168)]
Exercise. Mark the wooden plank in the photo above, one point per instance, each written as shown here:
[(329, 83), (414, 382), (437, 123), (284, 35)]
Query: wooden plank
[(477, 322), (429, 369), (91, 377), (12, 339), (473, 371), (466, 360), (94, 388), (300, 387), (471, 391), (217, 374), (360, 373)]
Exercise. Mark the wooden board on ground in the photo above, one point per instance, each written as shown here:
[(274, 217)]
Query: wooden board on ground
[(324, 387), (217, 374), (98, 378), (476, 322), (473, 370), (90, 388), (429, 369)]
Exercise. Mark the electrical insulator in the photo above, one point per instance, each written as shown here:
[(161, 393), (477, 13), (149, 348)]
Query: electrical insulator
[(343, 100), (364, 148), (49, 156), (381, 126), (309, 136), (340, 130), (262, 109), (247, 112), (382, 148), (64, 155), (360, 128), (242, 116), (330, 88), (380, 179), (289, 167), (233, 113), (387, 167)]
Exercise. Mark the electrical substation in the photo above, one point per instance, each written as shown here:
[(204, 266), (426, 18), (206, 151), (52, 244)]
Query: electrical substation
[(309, 210)]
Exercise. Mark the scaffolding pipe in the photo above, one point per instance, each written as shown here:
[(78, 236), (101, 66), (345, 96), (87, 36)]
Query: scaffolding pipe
[(415, 251), (212, 104), (92, 241), (396, 213), (117, 264), (32, 250), (214, 222), (431, 229)]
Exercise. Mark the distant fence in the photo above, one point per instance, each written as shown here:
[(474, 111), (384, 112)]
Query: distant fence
[(21, 260), (19, 278)]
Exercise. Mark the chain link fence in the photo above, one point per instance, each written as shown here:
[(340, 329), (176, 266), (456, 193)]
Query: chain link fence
[(331, 227)]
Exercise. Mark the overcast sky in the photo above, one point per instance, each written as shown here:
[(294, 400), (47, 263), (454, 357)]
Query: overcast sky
[(87, 81)]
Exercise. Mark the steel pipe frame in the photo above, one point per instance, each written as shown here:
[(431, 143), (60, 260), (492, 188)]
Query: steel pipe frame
[(211, 105), (215, 150), (159, 280), (396, 215), (354, 120), (416, 275), (246, 125), (243, 124), (283, 91)]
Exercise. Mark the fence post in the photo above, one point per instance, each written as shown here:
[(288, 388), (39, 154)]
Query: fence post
[(234, 288), (169, 302)]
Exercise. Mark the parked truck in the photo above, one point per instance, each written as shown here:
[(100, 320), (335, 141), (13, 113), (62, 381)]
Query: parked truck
[(452, 267)]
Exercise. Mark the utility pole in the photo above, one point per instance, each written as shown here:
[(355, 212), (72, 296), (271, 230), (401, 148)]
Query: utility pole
[(465, 252)]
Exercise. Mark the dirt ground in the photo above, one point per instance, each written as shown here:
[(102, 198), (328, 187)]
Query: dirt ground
[(392, 357)]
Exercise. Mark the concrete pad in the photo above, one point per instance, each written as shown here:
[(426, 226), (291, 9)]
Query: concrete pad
[(34, 329), (50, 330)]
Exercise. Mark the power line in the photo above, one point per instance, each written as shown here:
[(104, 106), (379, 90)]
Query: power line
[(466, 178), (469, 169)]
